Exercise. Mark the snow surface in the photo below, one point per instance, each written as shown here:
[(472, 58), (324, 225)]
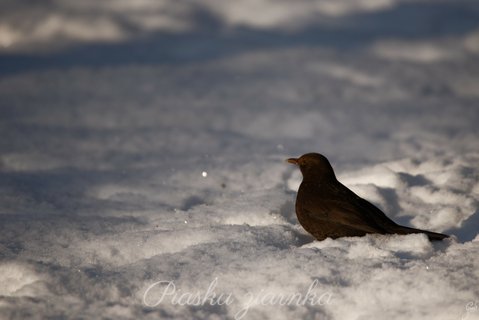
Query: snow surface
[(142, 169)]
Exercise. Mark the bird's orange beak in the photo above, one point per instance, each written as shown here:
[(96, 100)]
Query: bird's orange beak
[(292, 160)]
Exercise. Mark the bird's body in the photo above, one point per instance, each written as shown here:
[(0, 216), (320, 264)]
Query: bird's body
[(328, 209)]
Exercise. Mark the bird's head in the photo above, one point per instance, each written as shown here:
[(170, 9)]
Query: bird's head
[(314, 166)]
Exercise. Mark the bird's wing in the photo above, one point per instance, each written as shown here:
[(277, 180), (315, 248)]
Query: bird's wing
[(340, 205), (374, 212), (344, 214), (382, 220)]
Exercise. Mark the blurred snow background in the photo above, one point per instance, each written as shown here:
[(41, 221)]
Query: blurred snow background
[(143, 141)]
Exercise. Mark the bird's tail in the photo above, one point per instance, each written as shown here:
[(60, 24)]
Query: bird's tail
[(433, 236)]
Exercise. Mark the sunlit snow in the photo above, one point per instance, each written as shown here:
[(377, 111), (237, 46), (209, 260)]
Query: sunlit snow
[(142, 158)]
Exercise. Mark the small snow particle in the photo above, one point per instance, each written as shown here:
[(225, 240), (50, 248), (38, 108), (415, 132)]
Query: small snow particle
[(204, 174)]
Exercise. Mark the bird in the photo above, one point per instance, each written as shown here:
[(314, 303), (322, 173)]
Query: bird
[(328, 209)]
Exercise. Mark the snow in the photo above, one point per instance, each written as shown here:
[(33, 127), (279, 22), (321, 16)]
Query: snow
[(142, 170)]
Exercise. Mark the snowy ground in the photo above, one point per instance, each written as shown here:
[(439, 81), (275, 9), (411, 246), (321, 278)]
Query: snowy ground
[(142, 169)]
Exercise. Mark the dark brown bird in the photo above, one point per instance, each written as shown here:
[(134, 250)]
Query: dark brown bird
[(328, 209)]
